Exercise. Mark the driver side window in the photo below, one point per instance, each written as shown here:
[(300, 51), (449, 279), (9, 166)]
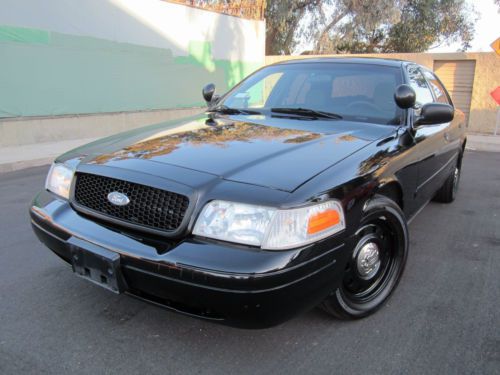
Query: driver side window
[(257, 95), (419, 84), (439, 90)]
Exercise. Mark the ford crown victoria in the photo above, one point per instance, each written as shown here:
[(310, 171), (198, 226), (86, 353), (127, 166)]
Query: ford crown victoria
[(293, 190)]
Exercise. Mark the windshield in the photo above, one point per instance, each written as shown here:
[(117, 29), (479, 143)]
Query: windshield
[(356, 92)]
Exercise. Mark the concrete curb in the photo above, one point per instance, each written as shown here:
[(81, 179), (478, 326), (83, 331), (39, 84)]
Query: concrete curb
[(24, 164), (21, 157), (480, 142)]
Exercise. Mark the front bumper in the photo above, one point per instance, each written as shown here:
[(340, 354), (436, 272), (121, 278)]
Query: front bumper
[(237, 285)]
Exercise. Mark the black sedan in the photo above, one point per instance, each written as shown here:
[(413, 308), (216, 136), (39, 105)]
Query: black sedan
[(293, 190)]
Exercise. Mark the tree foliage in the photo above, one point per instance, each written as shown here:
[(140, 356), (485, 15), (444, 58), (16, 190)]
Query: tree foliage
[(367, 26), (282, 22), (426, 23)]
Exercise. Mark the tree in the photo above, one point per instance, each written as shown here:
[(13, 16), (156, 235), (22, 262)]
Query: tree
[(359, 26), (282, 22), (428, 23)]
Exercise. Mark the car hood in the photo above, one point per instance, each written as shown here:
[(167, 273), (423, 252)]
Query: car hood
[(279, 153)]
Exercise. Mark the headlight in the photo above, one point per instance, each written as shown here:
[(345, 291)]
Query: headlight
[(267, 227), (59, 180), (234, 222)]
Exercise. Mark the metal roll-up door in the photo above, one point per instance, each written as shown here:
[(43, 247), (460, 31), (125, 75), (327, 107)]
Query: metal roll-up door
[(458, 78)]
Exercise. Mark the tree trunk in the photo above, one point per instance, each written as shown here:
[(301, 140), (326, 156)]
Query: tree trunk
[(326, 30)]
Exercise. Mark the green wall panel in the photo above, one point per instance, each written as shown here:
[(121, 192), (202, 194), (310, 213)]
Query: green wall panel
[(23, 35), (44, 73)]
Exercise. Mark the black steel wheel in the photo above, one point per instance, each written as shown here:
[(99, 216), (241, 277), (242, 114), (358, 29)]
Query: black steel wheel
[(448, 192), (376, 264)]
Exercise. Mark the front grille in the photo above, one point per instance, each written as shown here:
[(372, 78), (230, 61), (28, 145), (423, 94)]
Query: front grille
[(149, 207)]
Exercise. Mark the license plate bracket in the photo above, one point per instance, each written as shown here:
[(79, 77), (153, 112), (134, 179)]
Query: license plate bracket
[(97, 265)]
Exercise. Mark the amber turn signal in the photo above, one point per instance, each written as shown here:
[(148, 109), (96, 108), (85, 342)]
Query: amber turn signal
[(322, 221)]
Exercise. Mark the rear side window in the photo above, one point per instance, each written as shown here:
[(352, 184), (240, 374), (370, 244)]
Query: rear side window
[(437, 87), (419, 84)]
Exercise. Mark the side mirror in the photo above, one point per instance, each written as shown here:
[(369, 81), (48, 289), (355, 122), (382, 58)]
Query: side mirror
[(405, 96), (208, 92), (435, 113)]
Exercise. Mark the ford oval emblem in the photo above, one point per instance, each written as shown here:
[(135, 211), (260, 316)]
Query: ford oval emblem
[(118, 199)]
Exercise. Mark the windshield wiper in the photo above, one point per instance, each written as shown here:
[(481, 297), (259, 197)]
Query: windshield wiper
[(225, 110), (307, 112)]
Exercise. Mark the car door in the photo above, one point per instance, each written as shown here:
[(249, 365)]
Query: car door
[(430, 141), (454, 130)]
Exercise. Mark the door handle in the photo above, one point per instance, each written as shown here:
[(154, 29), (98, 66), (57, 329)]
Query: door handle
[(447, 136)]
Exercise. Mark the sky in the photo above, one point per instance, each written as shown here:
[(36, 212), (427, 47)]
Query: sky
[(487, 28)]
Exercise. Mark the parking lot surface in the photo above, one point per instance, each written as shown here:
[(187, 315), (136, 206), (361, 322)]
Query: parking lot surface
[(443, 318)]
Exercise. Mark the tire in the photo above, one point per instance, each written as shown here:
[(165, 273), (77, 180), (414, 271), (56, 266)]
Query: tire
[(448, 192), (367, 282)]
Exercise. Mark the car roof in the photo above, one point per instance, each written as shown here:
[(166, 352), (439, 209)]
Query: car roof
[(347, 60)]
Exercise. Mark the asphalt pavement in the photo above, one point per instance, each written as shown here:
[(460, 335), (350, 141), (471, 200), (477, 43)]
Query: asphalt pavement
[(444, 318)]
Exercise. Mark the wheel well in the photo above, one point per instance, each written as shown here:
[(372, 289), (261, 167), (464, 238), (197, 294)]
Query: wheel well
[(393, 191), (462, 153)]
